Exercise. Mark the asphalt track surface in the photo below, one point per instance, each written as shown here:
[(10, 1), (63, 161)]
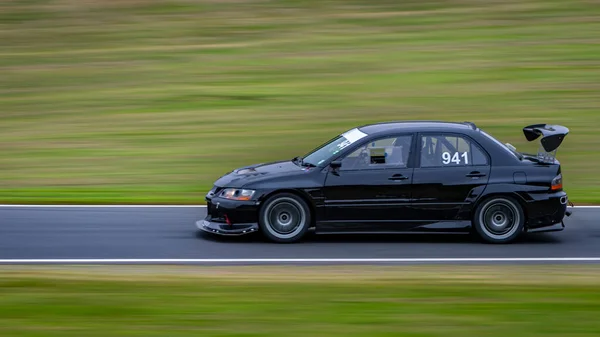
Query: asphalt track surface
[(158, 235)]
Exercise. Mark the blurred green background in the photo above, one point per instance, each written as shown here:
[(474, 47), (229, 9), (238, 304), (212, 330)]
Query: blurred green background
[(139, 101), (411, 301)]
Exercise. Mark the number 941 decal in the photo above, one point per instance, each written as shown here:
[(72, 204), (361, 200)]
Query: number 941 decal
[(456, 158)]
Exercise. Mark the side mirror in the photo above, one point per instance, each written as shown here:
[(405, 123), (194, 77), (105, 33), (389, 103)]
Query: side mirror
[(336, 164)]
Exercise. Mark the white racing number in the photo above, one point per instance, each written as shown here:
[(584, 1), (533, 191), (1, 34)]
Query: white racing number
[(456, 158)]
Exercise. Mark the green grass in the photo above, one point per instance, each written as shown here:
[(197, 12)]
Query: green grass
[(405, 301), (137, 101)]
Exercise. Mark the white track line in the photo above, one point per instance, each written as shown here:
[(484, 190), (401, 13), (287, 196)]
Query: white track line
[(301, 260), (103, 206), (153, 206)]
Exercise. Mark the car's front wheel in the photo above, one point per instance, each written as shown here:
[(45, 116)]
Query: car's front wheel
[(284, 218), (499, 220)]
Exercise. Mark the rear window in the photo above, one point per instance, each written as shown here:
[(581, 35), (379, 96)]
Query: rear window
[(502, 145)]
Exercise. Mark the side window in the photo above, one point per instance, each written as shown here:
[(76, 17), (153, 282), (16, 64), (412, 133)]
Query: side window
[(390, 152), (479, 158), (441, 151)]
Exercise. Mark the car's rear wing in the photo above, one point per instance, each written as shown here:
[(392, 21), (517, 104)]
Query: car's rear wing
[(552, 138)]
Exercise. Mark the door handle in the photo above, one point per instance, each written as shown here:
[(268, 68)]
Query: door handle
[(475, 174), (397, 177)]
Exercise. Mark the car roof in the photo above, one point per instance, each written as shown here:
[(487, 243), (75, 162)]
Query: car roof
[(410, 126)]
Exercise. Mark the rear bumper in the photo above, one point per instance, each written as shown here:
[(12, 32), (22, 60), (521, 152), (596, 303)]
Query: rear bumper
[(547, 212), (557, 227)]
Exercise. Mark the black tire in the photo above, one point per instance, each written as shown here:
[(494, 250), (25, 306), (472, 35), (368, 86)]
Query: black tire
[(499, 220), (284, 218)]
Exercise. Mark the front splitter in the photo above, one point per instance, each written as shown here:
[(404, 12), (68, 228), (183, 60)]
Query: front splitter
[(225, 229)]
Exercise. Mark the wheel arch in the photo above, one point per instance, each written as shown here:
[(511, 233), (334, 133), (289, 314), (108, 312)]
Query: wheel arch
[(300, 194), (484, 233), (512, 195)]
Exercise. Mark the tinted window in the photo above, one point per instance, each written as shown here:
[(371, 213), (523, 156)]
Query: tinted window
[(391, 152), (446, 150), (499, 143), (479, 158)]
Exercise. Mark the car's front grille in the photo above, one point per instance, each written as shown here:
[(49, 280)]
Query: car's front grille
[(213, 213), (210, 207)]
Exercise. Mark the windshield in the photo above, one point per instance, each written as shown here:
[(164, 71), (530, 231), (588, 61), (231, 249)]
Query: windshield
[(330, 149)]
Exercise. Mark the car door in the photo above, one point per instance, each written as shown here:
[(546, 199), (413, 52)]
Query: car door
[(372, 188), (452, 170)]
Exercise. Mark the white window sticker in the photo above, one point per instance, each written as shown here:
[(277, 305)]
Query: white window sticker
[(456, 158), (342, 145), (353, 135)]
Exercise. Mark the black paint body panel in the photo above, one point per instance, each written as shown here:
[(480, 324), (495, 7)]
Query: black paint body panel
[(390, 200)]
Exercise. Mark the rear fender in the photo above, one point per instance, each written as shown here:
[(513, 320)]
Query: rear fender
[(501, 190)]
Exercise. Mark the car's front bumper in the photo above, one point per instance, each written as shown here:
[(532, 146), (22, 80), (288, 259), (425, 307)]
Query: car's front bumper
[(229, 217), (225, 229)]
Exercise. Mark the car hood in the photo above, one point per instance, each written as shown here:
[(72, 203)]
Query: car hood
[(252, 173)]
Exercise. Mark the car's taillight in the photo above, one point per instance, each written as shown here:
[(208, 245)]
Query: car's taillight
[(557, 183)]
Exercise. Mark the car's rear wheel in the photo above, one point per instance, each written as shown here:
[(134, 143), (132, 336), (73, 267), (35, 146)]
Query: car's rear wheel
[(499, 220), (284, 218)]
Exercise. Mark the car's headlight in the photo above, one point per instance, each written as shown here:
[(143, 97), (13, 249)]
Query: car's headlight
[(236, 194)]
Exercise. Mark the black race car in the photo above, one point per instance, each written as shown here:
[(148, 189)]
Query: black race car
[(399, 177)]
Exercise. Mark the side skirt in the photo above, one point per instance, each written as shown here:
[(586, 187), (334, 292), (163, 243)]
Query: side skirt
[(393, 227), (393, 233)]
